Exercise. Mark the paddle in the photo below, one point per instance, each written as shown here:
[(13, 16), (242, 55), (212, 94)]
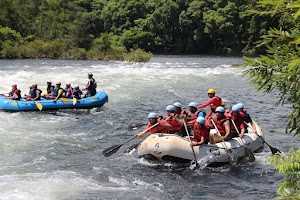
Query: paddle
[(65, 100), (230, 155), (130, 148), (38, 105), (273, 149), (248, 153), (113, 149), (135, 126), (74, 101), (194, 163)]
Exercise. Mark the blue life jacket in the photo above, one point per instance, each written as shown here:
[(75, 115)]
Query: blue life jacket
[(55, 91), (77, 93), (32, 93)]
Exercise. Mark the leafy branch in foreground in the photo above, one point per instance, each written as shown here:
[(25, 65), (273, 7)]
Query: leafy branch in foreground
[(279, 69), (288, 164)]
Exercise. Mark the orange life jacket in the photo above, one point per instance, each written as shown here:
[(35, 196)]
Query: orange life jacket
[(157, 129), (176, 127)]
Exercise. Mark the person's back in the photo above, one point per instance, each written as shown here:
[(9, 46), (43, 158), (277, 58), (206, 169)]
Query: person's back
[(90, 86), (49, 85)]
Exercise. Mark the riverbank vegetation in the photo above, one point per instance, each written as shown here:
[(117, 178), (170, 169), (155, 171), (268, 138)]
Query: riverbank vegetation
[(279, 69), (128, 29)]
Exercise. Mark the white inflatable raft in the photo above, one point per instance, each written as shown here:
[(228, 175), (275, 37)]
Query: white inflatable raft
[(171, 147)]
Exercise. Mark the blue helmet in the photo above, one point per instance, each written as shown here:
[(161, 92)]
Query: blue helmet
[(240, 105), (220, 109), (170, 107), (200, 120), (235, 108), (177, 104), (193, 104), (152, 115)]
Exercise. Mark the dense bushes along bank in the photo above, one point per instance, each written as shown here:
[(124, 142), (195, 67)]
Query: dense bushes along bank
[(122, 29)]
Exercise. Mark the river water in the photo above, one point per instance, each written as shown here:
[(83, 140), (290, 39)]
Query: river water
[(58, 155)]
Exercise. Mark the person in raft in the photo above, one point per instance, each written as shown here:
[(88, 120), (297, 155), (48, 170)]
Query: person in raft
[(58, 92), (90, 86), (158, 126), (14, 94), (173, 119), (200, 132), (35, 93), (246, 117), (222, 123), (214, 102)]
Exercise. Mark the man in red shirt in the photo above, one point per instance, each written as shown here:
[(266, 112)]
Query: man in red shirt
[(214, 102)]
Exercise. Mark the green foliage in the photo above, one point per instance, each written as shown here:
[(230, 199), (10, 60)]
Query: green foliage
[(289, 165), (7, 34), (280, 68), (135, 37), (138, 55), (159, 26)]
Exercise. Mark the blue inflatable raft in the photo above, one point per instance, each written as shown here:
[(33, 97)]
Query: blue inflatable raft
[(98, 100)]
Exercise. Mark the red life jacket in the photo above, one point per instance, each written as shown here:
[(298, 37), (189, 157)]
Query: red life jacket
[(157, 129), (203, 132), (243, 114), (176, 127), (196, 114), (239, 122), (219, 124)]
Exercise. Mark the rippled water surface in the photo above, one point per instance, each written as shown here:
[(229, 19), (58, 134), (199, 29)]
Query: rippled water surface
[(58, 155)]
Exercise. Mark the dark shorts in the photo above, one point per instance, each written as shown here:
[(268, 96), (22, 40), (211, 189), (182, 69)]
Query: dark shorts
[(232, 135)]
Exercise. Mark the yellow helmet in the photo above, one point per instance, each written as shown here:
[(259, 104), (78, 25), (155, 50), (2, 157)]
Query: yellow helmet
[(211, 91)]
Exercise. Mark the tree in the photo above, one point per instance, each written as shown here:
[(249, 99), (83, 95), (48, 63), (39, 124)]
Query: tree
[(279, 70)]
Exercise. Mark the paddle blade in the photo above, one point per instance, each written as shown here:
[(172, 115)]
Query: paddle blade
[(232, 159), (111, 150), (65, 100), (44, 91), (274, 150), (14, 103), (194, 165), (39, 105), (132, 147), (249, 154), (135, 126), (74, 101)]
